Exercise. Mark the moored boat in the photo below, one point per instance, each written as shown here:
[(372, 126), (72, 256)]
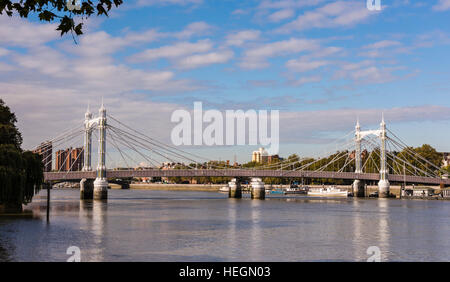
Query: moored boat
[(296, 190), (224, 189), (275, 191), (330, 191)]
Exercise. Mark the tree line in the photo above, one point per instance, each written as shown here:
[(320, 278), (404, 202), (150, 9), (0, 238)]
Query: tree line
[(21, 172), (412, 164)]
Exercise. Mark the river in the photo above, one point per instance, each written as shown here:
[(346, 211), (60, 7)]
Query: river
[(148, 225)]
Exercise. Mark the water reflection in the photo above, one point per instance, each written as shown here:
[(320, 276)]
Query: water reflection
[(232, 239), (383, 226), (92, 218), (256, 230), (358, 249), (99, 211), (196, 226)]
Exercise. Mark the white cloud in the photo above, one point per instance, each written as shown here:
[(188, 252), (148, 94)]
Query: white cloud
[(377, 49), (257, 57), (239, 38), (442, 5), (15, 31), (177, 50), (3, 51), (382, 44), (304, 65), (285, 4), (281, 15), (305, 80), (202, 60), (49, 86), (5, 67), (336, 14), (239, 12), (316, 123), (168, 2), (194, 29), (366, 72)]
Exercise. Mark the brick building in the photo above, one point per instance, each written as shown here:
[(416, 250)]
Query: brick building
[(69, 159)]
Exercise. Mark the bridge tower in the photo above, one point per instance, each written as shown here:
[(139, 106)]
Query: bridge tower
[(87, 185), (87, 141), (101, 182), (383, 184), (358, 185)]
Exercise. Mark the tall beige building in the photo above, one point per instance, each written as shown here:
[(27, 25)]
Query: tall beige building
[(260, 156)]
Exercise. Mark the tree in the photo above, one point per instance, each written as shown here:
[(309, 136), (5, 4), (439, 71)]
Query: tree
[(9, 134), (21, 173), (63, 10)]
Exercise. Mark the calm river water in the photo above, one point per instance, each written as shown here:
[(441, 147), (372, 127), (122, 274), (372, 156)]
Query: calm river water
[(145, 225)]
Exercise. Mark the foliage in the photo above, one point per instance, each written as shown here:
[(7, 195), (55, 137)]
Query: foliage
[(21, 173), (50, 10), (9, 134)]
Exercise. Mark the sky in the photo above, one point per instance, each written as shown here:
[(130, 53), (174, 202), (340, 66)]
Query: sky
[(322, 64)]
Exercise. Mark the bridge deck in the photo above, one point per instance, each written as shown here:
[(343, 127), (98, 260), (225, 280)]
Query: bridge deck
[(74, 175)]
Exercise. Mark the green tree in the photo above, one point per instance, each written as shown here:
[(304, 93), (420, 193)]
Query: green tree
[(21, 173), (51, 10), (9, 134)]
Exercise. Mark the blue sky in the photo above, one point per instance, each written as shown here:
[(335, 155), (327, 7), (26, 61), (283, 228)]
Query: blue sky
[(321, 63)]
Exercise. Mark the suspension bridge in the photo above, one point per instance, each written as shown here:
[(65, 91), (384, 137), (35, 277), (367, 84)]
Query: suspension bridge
[(349, 160)]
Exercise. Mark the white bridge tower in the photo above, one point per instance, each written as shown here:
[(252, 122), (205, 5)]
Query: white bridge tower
[(358, 185), (101, 182), (383, 184), (97, 189)]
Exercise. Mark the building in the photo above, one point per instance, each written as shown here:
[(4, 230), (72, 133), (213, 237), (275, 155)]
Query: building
[(46, 152), (260, 156), (364, 154), (69, 159), (60, 157), (273, 158)]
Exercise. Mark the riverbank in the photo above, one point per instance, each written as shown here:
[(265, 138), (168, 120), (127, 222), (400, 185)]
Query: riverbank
[(394, 189), (173, 187)]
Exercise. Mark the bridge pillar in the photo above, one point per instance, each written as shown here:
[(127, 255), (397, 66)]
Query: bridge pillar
[(101, 182), (235, 190), (383, 184), (358, 188), (86, 189), (258, 190), (87, 141), (358, 185)]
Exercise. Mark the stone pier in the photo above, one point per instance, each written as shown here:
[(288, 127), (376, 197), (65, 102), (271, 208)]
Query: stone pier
[(86, 189), (358, 188), (258, 190), (235, 190)]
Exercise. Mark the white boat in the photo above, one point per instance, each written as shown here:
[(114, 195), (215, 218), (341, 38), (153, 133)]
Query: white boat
[(296, 190), (327, 192), (224, 189)]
